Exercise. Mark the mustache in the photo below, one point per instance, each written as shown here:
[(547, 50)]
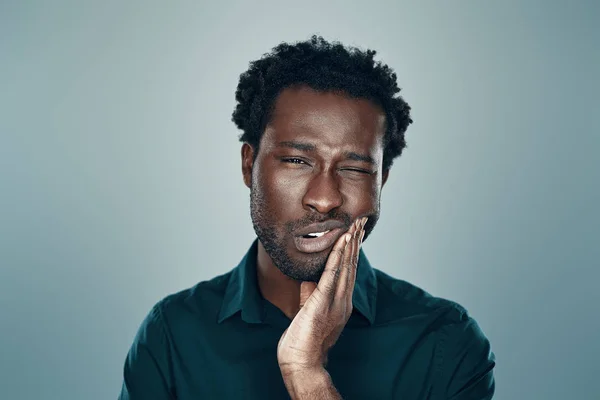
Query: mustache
[(315, 219)]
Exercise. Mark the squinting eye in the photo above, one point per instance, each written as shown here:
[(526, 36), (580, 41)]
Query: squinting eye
[(361, 171), (293, 160)]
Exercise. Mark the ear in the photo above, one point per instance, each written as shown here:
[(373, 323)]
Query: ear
[(384, 178), (247, 163)]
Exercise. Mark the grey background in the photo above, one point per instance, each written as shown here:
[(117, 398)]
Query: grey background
[(120, 177)]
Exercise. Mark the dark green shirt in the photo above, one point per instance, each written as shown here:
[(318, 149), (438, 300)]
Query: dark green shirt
[(218, 340)]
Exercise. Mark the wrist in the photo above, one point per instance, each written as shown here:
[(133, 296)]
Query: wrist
[(307, 382), (302, 365), (299, 372)]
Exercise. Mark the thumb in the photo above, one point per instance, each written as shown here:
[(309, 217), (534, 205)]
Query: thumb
[(306, 289)]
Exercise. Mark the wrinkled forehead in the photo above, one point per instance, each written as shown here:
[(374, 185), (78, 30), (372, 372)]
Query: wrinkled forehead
[(329, 118)]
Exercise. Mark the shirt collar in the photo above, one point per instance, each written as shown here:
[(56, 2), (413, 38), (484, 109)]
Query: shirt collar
[(242, 293)]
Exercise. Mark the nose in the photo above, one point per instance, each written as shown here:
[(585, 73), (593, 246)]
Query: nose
[(323, 194)]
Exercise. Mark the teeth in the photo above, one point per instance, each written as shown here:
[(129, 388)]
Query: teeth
[(317, 234)]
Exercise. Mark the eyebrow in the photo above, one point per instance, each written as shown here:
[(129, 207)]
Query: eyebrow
[(308, 147)]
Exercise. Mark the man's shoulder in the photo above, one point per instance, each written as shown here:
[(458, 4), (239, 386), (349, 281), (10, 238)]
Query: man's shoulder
[(464, 353), (398, 299), (203, 298)]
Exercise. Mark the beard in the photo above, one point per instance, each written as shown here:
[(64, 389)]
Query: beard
[(275, 237)]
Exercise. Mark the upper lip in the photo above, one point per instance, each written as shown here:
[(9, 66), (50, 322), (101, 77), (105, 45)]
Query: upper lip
[(321, 227)]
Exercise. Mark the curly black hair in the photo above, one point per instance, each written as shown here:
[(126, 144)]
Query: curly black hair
[(325, 67)]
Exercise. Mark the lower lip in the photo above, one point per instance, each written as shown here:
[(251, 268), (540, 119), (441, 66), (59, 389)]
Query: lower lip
[(318, 244)]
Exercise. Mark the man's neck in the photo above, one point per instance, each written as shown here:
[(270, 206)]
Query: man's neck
[(279, 289)]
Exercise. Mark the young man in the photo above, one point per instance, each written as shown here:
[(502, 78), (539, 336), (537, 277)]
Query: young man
[(304, 315)]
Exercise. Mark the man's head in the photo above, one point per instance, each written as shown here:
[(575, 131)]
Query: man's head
[(321, 126)]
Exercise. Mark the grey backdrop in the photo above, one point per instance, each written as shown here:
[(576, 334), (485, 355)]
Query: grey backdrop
[(121, 182)]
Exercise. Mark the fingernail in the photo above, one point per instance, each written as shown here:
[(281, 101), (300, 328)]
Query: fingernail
[(365, 219), (362, 235), (348, 238)]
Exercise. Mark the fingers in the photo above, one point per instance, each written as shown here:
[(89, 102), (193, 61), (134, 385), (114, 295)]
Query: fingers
[(330, 276), (347, 259), (350, 261), (339, 275), (352, 277)]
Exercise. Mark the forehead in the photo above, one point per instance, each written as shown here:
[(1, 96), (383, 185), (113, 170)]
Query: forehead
[(327, 118)]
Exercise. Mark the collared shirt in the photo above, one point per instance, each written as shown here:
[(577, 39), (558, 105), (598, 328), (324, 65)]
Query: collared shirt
[(218, 340)]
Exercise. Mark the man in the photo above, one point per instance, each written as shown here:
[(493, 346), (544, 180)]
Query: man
[(304, 315)]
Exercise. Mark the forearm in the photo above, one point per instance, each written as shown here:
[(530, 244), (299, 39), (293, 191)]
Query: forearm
[(314, 385)]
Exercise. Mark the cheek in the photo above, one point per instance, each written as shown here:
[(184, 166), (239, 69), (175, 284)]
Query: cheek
[(376, 191), (362, 200), (281, 192)]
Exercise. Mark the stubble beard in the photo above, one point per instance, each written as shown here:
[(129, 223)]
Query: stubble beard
[(275, 245)]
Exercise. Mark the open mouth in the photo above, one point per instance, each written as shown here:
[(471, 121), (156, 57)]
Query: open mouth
[(315, 235), (317, 241)]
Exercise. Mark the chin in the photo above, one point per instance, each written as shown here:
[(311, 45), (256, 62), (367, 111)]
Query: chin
[(311, 272), (306, 276)]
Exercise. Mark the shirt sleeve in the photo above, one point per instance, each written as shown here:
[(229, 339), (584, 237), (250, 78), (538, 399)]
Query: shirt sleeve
[(147, 372), (467, 362)]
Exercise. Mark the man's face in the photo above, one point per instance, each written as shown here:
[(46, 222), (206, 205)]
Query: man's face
[(319, 161)]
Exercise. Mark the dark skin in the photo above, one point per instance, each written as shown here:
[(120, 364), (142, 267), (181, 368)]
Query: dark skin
[(320, 159)]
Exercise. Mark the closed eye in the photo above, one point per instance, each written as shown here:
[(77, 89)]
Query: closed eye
[(362, 171), (299, 161)]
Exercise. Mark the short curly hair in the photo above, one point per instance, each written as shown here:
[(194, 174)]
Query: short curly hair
[(323, 66)]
